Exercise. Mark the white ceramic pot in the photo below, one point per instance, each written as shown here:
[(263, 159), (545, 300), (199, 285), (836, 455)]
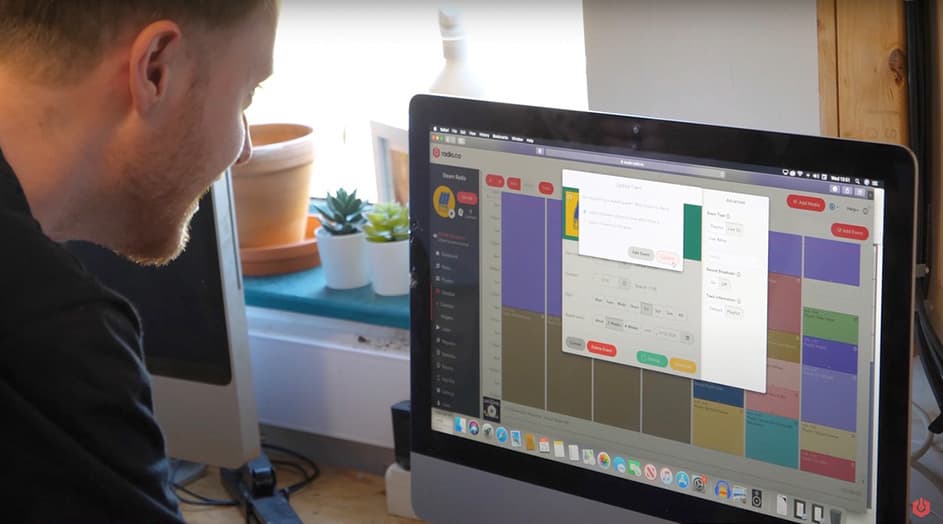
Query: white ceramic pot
[(388, 263), (343, 259)]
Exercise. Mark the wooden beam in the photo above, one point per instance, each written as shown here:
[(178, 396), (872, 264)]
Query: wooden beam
[(828, 68), (872, 70)]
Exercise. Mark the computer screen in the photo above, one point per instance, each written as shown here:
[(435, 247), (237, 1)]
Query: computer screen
[(194, 336), (704, 326)]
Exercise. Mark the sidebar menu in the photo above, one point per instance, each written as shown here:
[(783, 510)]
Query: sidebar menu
[(454, 287)]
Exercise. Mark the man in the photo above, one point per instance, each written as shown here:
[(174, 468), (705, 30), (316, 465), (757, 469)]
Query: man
[(115, 117)]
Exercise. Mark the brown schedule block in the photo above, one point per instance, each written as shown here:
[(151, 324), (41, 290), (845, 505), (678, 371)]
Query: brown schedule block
[(666, 406), (569, 377), (618, 395), (523, 357)]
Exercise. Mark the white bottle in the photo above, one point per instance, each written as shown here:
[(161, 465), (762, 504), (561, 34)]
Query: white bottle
[(457, 77)]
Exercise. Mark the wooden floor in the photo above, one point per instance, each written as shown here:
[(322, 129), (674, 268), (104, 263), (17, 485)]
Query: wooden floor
[(336, 497)]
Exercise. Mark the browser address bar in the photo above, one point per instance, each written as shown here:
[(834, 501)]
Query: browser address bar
[(640, 163)]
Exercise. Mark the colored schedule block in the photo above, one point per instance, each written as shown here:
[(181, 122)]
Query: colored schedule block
[(826, 465), (828, 441), (784, 312), (718, 393), (828, 354), (832, 261), (785, 254), (692, 232), (782, 390), (783, 346), (717, 426), (571, 213), (829, 325), (666, 406), (772, 439), (554, 258), (829, 398), (523, 235)]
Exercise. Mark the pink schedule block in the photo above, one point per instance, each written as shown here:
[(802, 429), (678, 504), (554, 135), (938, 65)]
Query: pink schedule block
[(782, 390), (827, 465), (777, 401), (785, 303)]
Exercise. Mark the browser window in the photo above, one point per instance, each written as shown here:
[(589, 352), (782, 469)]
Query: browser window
[(707, 329)]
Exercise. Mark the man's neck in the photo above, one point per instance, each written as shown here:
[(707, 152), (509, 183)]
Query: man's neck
[(45, 139)]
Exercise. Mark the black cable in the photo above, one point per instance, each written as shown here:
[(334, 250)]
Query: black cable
[(308, 478), (919, 43), (919, 88), (201, 500)]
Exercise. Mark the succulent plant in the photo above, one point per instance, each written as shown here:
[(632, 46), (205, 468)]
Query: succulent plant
[(387, 223), (343, 213)]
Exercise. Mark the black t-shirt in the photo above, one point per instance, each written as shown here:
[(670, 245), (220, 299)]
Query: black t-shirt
[(78, 439)]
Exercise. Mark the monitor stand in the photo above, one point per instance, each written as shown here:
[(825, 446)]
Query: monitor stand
[(185, 472)]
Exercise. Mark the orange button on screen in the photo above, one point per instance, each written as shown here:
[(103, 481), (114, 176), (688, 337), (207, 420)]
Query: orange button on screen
[(683, 365)]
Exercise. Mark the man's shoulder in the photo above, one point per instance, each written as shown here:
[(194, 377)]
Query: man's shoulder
[(39, 277)]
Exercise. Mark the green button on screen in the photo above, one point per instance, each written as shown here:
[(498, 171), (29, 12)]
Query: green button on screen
[(652, 359)]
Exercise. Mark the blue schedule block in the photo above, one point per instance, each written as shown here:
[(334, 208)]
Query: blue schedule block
[(772, 439)]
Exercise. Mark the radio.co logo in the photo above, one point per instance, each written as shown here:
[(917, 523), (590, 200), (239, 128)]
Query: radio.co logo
[(436, 152)]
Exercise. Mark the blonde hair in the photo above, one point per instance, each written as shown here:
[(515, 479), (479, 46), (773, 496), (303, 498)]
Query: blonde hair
[(58, 40)]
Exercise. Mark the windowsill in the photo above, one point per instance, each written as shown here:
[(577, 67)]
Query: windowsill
[(305, 292)]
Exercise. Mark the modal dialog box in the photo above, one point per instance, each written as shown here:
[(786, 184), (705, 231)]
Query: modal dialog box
[(666, 277), (630, 220)]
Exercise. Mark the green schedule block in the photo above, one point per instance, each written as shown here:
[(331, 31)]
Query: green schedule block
[(829, 325)]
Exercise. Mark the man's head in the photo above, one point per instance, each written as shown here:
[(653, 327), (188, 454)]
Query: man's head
[(145, 99)]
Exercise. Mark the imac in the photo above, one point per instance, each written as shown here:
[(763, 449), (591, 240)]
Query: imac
[(624, 319), (195, 337)]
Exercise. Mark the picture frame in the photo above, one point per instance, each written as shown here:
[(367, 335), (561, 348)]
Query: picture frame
[(391, 161)]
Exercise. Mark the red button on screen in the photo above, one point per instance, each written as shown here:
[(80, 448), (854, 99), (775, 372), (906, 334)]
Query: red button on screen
[(494, 180), (601, 348), (546, 188), (807, 203), (469, 199), (850, 231), (514, 183)]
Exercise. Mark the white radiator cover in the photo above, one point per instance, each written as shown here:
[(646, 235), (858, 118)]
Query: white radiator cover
[(325, 376)]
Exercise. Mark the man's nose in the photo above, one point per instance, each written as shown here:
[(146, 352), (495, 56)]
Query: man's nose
[(246, 153)]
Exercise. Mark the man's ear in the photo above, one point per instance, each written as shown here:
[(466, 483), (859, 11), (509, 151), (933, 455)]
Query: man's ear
[(156, 60)]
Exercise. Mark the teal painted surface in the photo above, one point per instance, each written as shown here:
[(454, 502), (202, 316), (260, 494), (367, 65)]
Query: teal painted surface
[(305, 292), (772, 439)]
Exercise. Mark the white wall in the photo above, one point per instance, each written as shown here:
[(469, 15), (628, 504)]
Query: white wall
[(746, 63)]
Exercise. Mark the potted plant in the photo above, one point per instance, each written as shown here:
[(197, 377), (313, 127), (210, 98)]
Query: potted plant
[(341, 241), (271, 191), (387, 231)]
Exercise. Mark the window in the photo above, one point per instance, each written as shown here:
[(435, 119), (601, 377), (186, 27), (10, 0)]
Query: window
[(340, 66)]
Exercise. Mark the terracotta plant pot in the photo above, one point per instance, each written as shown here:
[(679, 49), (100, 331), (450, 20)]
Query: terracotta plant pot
[(286, 258), (271, 191)]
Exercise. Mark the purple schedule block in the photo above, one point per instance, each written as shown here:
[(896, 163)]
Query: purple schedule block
[(829, 398), (829, 354), (554, 257), (833, 261), (523, 237), (785, 254)]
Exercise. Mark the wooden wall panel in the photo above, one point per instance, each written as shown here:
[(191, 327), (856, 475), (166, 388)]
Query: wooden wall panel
[(872, 75), (828, 68)]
